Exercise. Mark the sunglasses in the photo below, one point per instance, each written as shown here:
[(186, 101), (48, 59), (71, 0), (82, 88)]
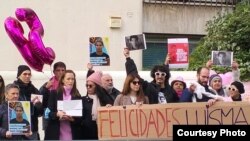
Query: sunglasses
[(163, 74), (89, 86), (233, 89), (136, 82)]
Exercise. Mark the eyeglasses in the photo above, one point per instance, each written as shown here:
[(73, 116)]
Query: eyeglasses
[(89, 86), (136, 82), (233, 89), (163, 74)]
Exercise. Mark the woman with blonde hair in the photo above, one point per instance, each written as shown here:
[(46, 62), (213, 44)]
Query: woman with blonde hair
[(132, 92)]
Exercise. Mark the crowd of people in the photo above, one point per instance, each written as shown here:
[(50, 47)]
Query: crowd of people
[(57, 125)]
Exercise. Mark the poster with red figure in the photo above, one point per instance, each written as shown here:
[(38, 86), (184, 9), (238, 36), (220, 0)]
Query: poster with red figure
[(178, 51)]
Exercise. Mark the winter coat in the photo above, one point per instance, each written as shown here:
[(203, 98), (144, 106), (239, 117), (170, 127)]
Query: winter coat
[(151, 89), (52, 132), (25, 95)]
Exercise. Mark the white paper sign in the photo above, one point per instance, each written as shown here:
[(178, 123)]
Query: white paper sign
[(70, 107)]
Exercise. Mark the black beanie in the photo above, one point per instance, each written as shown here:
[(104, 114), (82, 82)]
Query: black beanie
[(21, 69), (239, 86)]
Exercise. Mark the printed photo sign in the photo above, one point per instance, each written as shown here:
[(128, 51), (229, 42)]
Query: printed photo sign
[(19, 117), (135, 42), (98, 48), (222, 58), (178, 50)]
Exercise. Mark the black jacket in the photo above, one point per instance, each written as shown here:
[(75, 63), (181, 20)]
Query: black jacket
[(151, 89), (52, 132), (25, 94), (89, 127)]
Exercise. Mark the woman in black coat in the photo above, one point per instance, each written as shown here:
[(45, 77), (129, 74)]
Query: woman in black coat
[(96, 97), (60, 125)]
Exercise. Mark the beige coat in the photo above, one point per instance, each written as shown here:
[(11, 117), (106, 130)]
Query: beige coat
[(126, 100)]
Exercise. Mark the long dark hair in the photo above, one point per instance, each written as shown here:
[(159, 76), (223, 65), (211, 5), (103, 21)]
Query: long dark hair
[(74, 92), (2, 90), (126, 87)]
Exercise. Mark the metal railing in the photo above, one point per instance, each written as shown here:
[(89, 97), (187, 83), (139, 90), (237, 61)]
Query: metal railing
[(196, 2)]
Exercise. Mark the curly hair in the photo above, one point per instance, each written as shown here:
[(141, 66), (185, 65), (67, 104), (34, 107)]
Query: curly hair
[(161, 68)]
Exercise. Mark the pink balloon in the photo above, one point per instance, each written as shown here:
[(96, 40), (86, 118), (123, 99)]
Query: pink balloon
[(15, 32), (33, 50), (36, 45), (47, 55), (226, 78), (29, 16)]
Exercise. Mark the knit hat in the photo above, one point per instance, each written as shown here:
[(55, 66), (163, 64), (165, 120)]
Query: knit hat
[(179, 79), (21, 69), (214, 77), (239, 86), (96, 77)]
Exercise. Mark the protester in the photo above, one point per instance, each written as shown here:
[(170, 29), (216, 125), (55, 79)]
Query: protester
[(107, 83), (132, 92), (11, 94), (215, 82), (60, 125), (235, 92), (2, 87), (96, 97), (159, 88), (230, 77), (180, 87), (26, 89), (59, 69)]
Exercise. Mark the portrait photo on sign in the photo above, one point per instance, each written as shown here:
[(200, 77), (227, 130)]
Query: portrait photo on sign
[(19, 117), (222, 58), (135, 42), (98, 49)]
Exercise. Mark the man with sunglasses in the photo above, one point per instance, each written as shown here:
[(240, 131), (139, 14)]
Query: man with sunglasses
[(159, 90)]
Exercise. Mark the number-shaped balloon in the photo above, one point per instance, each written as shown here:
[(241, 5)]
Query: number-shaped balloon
[(32, 49)]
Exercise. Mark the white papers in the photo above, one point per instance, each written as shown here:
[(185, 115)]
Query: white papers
[(70, 107)]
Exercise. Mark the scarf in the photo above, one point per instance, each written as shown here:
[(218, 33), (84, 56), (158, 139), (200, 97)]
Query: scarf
[(179, 93), (55, 83), (96, 104), (66, 94), (65, 127)]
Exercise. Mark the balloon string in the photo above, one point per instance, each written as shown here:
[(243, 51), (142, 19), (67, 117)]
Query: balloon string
[(51, 72), (46, 75)]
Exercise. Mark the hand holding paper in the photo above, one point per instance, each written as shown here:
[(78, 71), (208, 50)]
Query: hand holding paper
[(70, 107)]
